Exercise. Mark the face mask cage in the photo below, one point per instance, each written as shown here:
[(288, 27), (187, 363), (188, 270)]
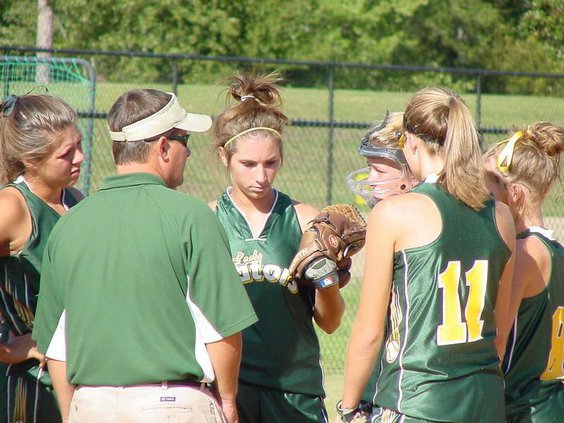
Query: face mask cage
[(374, 191)]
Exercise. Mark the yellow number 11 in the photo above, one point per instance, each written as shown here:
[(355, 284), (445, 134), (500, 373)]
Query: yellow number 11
[(453, 330), (555, 368)]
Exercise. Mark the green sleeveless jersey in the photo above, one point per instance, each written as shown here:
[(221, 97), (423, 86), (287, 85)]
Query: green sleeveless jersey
[(19, 273), (280, 351), (534, 361), (439, 360), (21, 397)]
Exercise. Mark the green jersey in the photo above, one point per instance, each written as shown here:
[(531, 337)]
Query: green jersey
[(439, 360), (21, 397), (534, 361), (19, 273), (281, 350), (143, 277)]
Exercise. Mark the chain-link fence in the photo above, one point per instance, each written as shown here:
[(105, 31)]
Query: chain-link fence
[(326, 124)]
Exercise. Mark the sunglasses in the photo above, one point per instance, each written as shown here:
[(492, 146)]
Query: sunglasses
[(505, 156), (181, 138)]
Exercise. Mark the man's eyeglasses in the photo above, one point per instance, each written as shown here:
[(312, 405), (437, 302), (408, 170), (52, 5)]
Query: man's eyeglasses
[(181, 138)]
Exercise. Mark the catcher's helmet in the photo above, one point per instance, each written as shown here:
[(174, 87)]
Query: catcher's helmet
[(367, 182)]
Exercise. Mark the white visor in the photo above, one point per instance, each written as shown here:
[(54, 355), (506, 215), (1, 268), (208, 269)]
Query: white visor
[(170, 116)]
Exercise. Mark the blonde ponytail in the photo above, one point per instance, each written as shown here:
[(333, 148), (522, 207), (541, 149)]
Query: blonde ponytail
[(442, 120)]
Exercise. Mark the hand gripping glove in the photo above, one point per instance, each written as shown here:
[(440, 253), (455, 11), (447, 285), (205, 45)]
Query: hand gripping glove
[(360, 414), (336, 233)]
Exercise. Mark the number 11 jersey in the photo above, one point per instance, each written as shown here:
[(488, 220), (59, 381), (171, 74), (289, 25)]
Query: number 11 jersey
[(439, 360)]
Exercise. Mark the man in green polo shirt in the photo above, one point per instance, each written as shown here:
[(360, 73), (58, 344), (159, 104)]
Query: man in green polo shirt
[(139, 282)]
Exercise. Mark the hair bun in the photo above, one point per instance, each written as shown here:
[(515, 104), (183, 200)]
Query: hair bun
[(261, 88), (548, 137)]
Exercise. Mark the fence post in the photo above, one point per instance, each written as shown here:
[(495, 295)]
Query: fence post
[(329, 195), (88, 140), (6, 80), (478, 101), (174, 76)]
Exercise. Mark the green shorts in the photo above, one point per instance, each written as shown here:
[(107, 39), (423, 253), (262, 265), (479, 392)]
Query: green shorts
[(261, 405), (550, 410)]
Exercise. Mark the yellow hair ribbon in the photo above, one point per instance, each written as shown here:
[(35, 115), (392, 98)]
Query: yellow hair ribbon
[(257, 128), (401, 141), (505, 156)]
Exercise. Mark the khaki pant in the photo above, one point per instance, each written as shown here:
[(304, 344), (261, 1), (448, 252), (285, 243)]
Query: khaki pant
[(150, 403)]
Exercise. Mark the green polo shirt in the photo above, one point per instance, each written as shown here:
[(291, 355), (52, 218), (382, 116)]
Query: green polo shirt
[(143, 276)]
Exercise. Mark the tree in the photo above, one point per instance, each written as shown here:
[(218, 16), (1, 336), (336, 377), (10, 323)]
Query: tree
[(491, 34), (44, 37)]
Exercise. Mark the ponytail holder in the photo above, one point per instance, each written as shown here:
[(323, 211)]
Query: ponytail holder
[(9, 104), (10, 101), (247, 97), (505, 156)]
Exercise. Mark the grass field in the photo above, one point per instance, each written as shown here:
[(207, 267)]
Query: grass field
[(355, 105), (308, 173), (313, 103)]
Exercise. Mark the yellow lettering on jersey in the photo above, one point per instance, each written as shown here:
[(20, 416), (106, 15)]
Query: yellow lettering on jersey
[(272, 273), (555, 366), (240, 258), (475, 280), (453, 330), (256, 271), (396, 316), (244, 274), (251, 270)]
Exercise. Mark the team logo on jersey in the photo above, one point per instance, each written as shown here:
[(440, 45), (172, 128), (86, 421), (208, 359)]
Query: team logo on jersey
[(393, 341), (251, 269)]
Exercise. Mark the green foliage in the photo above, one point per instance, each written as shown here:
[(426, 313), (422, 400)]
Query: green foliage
[(545, 22), (521, 35), (16, 21), (169, 26), (528, 40)]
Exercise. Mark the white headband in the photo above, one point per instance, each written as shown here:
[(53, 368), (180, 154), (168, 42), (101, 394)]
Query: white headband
[(170, 116)]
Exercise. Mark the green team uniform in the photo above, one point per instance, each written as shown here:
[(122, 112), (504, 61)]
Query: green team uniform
[(281, 352), (24, 397), (145, 280), (534, 360), (439, 361)]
